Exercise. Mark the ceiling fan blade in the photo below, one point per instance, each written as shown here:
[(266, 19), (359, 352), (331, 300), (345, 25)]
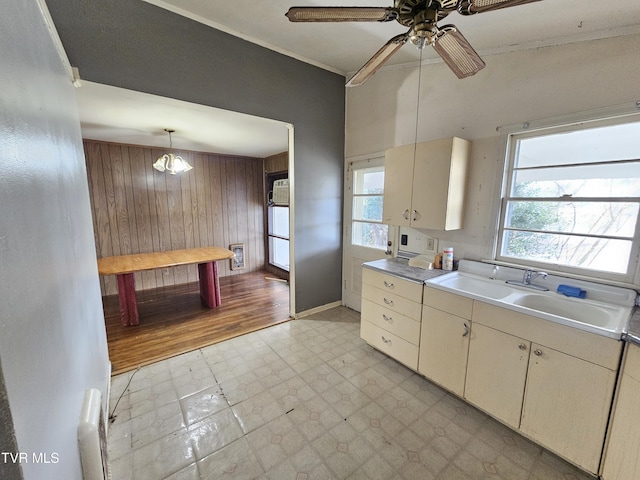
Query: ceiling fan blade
[(457, 52), (471, 7), (341, 14), (378, 60)]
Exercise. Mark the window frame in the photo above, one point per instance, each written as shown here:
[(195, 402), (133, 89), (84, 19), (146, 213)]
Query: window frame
[(270, 178), (357, 166), (511, 136), (351, 181), (272, 238)]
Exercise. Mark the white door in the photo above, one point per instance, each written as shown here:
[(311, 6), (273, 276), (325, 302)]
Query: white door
[(365, 236)]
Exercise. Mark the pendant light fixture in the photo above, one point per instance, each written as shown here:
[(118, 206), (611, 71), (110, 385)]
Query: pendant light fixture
[(171, 163)]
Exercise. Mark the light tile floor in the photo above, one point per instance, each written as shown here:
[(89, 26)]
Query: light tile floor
[(306, 400)]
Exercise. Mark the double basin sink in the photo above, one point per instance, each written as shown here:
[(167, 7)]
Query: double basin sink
[(596, 316)]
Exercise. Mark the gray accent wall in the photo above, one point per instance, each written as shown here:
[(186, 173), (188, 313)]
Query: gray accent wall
[(52, 334), (141, 47)]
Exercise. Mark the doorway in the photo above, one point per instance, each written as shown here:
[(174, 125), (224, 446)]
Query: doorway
[(278, 229), (366, 237)]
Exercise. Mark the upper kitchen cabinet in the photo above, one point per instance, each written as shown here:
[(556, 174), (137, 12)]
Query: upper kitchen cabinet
[(425, 184)]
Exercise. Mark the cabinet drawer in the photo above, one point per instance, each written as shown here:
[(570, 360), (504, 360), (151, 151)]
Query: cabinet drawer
[(448, 302), (393, 322), (390, 344), (392, 284), (392, 301)]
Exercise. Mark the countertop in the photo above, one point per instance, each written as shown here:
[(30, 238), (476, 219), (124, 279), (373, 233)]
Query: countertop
[(400, 268), (633, 329)]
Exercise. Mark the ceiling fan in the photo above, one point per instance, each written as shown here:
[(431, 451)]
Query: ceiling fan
[(421, 16)]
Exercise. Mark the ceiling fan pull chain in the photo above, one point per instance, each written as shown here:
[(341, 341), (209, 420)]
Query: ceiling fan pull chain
[(415, 143)]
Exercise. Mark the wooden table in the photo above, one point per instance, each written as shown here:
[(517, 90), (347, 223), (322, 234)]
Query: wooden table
[(124, 267)]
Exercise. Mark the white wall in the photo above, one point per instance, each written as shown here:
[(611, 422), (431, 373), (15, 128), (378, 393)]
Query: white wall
[(52, 334), (514, 88)]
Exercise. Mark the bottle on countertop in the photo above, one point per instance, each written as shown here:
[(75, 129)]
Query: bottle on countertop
[(447, 259), (437, 261)]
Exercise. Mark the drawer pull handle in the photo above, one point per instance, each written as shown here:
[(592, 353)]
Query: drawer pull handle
[(466, 330), (388, 342), (388, 302), (522, 346), (416, 215), (538, 352), (387, 319), (389, 285), (405, 214)]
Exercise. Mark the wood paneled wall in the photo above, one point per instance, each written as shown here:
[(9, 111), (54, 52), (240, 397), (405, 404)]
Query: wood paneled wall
[(137, 209), (277, 163)]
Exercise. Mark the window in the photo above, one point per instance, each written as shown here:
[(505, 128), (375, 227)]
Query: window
[(572, 197), (368, 189), (277, 226), (278, 223)]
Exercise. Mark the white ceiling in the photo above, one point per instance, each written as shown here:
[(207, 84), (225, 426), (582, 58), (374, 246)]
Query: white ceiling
[(118, 115)]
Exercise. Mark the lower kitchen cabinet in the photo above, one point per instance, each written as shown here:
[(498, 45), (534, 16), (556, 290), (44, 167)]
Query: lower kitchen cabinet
[(496, 373), (549, 381), (566, 405), (560, 399), (444, 341), (622, 456), (390, 317), (393, 345)]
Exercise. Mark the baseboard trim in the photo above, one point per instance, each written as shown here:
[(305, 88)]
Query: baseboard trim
[(319, 309)]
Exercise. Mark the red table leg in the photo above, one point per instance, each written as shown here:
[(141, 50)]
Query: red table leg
[(209, 284), (127, 299)]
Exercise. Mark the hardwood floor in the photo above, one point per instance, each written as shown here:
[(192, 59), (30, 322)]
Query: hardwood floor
[(173, 320)]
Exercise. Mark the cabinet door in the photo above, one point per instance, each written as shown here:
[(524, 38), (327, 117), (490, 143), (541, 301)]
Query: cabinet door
[(439, 184), (622, 459), (496, 373), (398, 175), (444, 345), (566, 405)]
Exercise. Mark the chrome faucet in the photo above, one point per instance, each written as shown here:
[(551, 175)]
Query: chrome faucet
[(527, 277), (530, 275)]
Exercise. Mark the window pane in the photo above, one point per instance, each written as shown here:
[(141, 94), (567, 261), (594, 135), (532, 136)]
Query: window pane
[(369, 180), (370, 235), (279, 252), (367, 208), (613, 180), (605, 255), (279, 221), (614, 142), (593, 218)]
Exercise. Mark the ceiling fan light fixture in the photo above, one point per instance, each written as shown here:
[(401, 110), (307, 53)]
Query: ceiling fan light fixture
[(457, 52), (421, 17), (171, 163)]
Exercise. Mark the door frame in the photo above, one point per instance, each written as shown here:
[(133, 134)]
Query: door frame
[(353, 256)]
